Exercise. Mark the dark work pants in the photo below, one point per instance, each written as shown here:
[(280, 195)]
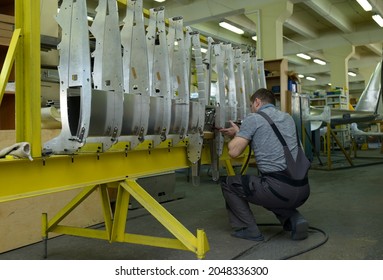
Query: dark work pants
[(280, 198)]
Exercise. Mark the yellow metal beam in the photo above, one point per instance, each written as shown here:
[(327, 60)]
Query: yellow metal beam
[(70, 206), (8, 62), (106, 207), (121, 212), (341, 147), (20, 178), (83, 232), (28, 80), (328, 142)]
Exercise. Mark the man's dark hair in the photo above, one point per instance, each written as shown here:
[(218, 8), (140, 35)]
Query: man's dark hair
[(265, 95)]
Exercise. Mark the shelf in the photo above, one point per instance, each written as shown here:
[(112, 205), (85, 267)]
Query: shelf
[(273, 77), (279, 78)]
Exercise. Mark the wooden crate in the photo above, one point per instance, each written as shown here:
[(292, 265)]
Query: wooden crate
[(6, 29)]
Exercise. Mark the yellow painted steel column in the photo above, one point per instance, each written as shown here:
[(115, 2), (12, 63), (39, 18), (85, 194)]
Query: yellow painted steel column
[(28, 81), (341, 148), (328, 140), (229, 168), (120, 215), (8, 62)]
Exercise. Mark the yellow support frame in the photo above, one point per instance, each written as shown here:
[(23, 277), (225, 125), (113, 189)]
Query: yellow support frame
[(115, 223), (8, 62)]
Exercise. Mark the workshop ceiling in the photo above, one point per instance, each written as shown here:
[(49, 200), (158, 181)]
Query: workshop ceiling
[(313, 26)]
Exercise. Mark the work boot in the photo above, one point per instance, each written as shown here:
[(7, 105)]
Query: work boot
[(299, 227), (249, 233)]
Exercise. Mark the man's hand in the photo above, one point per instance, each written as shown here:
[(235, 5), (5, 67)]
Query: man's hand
[(231, 131)]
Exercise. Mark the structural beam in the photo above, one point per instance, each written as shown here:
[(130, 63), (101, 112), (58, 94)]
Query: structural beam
[(8, 62), (28, 88), (326, 9), (22, 178)]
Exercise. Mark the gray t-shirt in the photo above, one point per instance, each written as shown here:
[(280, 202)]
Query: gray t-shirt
[(267, 148)]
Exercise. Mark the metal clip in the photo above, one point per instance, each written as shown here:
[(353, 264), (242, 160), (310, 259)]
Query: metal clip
[(80, 137)]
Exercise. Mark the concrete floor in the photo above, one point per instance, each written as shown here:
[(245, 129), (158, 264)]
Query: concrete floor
[(345, 205)]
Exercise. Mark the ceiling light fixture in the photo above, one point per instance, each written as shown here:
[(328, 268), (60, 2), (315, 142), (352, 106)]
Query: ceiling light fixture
[(365, 5), (304, 56), (352, 74), (160, 1), (378, 19), (230, 27), (310, 78), (301, 76), (320, 62), (255, 38)]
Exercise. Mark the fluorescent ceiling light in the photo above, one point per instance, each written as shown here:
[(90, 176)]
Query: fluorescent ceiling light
[(318, 61), (255, 38), (352, 74), (230, 27), (310, 78), (304, 56), (378, 19), (365, 5), (301, 76), (160, 1)]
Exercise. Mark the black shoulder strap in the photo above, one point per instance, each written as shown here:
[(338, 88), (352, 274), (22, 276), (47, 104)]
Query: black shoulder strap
[(276, 130)]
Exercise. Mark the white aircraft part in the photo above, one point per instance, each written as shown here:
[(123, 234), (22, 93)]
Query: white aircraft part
[(371, 99), (75, 73), (136, 75), (179, 78), (107, 96), (313, 114), (249, 89), (17, 150), (159, 76), (261, 73), (197, 106), (230, 83), (218, 58), (355, 131), (240, 85), (255, 73)]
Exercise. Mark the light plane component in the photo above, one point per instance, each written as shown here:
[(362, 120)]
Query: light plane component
[(159, 75), (138, 88), (368, 108), (107, 96), (136, 76), (75, 78), (371, 98), (179, 78)]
